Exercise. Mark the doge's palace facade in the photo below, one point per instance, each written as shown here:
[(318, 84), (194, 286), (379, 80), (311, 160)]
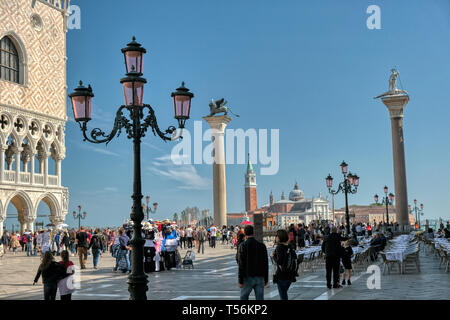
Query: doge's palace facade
[(32, 108)]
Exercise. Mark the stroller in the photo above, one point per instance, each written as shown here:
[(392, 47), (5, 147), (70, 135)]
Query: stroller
[(188, 260)]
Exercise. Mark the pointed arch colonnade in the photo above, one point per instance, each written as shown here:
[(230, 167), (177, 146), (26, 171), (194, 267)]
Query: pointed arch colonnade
[(28, 141)]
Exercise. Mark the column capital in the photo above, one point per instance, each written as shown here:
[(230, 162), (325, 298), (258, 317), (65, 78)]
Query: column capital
[(218, 122), (396, 104)]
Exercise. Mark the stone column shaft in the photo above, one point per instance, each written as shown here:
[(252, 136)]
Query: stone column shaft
[(218, 125), (32, 162), (46, 169), (58, 171), (2, 166), (18, 166), (396, 105)]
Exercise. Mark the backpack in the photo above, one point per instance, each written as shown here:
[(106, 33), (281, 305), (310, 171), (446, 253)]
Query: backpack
[(290, 264), (96, 242)]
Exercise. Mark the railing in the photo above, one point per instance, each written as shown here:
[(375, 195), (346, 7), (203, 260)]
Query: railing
[(53, 180), (59, 4), (38, 178), (10, 176), (25, 177)]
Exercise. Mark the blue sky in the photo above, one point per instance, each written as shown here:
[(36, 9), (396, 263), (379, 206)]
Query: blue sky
[(307, 68)]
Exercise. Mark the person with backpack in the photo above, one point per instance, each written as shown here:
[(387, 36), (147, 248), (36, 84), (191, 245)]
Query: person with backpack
[(97, 246), (285, 258)]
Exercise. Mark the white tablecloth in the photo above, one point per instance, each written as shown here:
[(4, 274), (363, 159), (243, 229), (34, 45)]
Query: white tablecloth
[(309, 251), (395, 255)]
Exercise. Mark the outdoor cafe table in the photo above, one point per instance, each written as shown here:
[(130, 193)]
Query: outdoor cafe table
[(443, 242), (314, 250), (399, 247)]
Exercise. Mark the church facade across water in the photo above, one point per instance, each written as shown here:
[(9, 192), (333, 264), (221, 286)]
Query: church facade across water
[(295, 209)]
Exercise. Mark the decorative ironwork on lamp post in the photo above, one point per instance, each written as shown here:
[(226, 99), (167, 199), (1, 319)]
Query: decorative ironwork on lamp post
[(79, 216), (141, 118), (388, 200), (147, 207), (418, 212), (349, 185)]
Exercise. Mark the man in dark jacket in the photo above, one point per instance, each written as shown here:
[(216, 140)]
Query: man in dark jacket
[(253, 266), (301, 236), (332, 249)]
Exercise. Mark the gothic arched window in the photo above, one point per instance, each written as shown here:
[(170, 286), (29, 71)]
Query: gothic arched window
[(9, 61)]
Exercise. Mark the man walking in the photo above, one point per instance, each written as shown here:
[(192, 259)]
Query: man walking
[(82, 245), (29, 243), (213, 231), (5, 241), (253, 266), (189, 236), (332, 248), (201, 237)]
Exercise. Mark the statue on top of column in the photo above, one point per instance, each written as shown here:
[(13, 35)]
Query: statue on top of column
[(219, 106), (393, 90)]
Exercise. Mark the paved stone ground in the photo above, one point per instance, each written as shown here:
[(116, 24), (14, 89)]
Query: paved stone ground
[(215, 277)]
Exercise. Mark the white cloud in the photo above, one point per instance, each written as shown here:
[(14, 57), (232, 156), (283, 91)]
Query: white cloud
[(186, 175), (111, 189), (151, 146), (101, 150)]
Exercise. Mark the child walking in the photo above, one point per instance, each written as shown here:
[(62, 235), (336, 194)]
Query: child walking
[(347, 253), (65, 285)]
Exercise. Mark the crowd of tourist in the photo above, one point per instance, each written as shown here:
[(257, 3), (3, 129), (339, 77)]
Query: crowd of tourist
[(163, 239)]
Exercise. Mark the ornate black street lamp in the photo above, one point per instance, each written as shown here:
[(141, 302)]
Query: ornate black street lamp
[(349, 185), (79, 216), (147, 207), (418, 212), (388, 200), (136, 127)]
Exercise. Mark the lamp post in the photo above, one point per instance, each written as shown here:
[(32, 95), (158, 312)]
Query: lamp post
[(349, 185), (416, 211), (147, 208), (388, 200), (79, 216), (141, 118)]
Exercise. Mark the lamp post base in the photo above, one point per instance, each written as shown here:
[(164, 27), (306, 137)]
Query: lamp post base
[(137, 287)]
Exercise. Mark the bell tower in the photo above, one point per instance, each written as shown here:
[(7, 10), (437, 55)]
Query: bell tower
[(250, 188)]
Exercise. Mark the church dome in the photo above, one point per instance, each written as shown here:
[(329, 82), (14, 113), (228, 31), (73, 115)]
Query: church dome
[(296, 194)]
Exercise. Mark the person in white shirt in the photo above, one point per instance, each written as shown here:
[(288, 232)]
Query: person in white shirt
[(189, 236), (213, 231)]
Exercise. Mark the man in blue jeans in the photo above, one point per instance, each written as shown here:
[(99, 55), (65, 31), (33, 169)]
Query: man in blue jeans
[(253, 266), (29, 239)]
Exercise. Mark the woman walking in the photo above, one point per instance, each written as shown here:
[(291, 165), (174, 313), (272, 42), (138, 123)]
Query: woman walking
[(285, 258), (65, 285), (14, 242), (97, 246), (51, 272)]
